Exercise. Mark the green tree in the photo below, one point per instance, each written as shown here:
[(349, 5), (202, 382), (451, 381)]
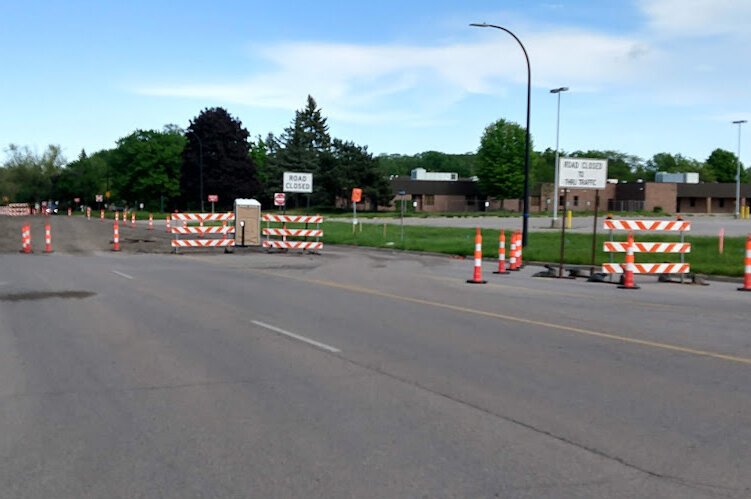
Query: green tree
[(350, 165), (722, 164), (217, 154), (303, 147), (500, 160), (145, 167), (28, 176)]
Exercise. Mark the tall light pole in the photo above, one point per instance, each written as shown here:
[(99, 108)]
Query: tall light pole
[(738, 171), (200, 164), (557, 130), (525, 217)]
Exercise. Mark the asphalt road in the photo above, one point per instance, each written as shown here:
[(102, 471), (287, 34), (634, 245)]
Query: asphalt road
[(359, 373)]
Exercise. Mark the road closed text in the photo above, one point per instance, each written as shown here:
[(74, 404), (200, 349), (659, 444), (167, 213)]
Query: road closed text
[(297, 182)]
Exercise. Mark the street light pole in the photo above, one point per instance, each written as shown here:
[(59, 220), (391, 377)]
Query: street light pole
[(200, 165), (738, 171), (557, 130), (525, 217)]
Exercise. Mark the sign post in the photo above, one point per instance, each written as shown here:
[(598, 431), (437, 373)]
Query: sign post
[(356, 197), (581, 173)]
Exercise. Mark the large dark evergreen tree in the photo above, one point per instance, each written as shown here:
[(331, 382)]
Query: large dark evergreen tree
[(219, 142)]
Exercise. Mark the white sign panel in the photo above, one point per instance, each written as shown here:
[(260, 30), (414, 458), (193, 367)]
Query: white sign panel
[(297, 182), (582, 173)]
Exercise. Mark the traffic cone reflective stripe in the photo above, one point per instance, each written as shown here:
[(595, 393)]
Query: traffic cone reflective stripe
[(747, 267), (477, 275), (501, 254), (47, 238)]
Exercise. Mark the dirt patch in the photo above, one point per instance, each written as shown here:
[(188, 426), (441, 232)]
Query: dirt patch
[(77, 235)]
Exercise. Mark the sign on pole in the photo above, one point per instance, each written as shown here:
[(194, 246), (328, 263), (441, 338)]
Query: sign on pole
[(582, 173), (297, 182), (213, 198), (356, 195), (279, 199)]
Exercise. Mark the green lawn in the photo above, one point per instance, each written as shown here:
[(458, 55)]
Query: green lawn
[(704, 257)]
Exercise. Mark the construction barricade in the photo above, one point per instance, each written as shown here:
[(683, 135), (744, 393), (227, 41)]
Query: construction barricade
[(284, 232), (189, 227), (631, 247), (15, 210)]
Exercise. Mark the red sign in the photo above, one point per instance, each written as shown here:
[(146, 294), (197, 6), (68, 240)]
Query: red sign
[(76, 200), (213, 198), (356, 195), (279, 199)]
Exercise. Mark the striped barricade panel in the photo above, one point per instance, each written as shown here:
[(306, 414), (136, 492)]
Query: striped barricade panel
[(647, 268), (202, 243), (293, 232), (15, 210), (293, 244), (619, 247), (203, 230), (303, 219), (203, 217), (648, 225)]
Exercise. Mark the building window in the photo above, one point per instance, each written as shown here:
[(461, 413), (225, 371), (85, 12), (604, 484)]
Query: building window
[(692, 202), (429, 199), (470, 200), (576, 200), (722, 202)]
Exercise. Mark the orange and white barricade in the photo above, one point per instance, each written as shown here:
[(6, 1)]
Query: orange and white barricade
[(285, 232), (15, 210), (631, 247), (202, 230), (116, 237)]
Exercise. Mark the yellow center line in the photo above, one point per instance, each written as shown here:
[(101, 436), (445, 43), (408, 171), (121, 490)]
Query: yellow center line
[(520, 320)]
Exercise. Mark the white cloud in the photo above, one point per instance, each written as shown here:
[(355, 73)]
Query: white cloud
[(381, 83), (690, 18)]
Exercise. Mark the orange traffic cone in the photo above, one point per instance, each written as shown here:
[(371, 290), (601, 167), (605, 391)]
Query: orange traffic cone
[(477, 276), (747, 267), (501, 254), (26, 239), (47, 238), (116, 238), (167, 227), (151, 222), (628, 275)]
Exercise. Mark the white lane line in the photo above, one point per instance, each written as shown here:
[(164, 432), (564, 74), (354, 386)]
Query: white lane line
[(122, 275), (315, 343)]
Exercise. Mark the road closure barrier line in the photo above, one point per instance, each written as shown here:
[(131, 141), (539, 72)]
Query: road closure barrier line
[(521, 320)]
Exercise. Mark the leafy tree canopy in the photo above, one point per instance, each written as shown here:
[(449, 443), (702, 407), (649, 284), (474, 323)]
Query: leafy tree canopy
[(500, 160), (217, 156), (723, 165)]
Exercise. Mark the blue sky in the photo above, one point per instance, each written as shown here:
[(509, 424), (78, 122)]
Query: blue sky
[(398, 76)]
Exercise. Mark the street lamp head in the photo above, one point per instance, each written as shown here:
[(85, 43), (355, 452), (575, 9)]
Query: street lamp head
[(738, 122), (480, 25), (559, 90)]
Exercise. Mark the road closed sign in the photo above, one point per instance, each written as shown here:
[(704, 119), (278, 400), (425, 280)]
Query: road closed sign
[(582, 173), (297, 182)]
